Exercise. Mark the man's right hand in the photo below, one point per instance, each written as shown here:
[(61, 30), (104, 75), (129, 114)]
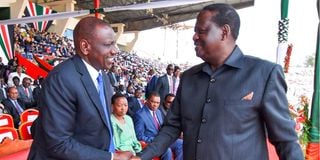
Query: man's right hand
[(122, 155), (135, 158)]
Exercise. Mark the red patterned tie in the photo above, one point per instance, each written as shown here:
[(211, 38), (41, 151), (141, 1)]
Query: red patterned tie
[(156, 122)]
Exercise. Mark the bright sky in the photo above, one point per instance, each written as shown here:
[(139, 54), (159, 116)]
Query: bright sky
[(258, 34)]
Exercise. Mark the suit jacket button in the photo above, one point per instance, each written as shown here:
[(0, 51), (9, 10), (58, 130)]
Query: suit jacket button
[(203, 120), (212, 80), (199, 140), (208, 100)]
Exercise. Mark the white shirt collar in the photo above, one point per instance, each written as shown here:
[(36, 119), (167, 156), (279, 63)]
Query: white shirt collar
[(92, 72), (151, 111)]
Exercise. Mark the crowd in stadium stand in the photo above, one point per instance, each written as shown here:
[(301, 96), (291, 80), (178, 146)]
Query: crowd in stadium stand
[(30, 41)]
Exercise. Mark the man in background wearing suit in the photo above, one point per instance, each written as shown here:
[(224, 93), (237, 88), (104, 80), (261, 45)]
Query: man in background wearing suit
[(147, 123), (227, 106), (113, 77), (3, 90), (13, 105), (37, 90), (152, 82), (25, 92), (74, 120), (167, 102), (165, 83), (136, 102)]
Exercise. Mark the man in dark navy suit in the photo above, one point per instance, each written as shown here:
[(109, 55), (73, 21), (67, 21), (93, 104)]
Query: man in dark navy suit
[(148, 122), (25, 92), (74, 121), (3, 90), (136, 102), (152, 82), (13, 105), (165, 83)]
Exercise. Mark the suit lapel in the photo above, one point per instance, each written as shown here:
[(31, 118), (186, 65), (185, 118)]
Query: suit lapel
[(89, 86), (30, 93), (159, 116), (108, 91), (22, 105), (1, 94), (13, 109), (166, 81), (150, 118), (137, 103)]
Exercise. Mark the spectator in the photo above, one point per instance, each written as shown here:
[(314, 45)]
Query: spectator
[(25, 93), (168, 100), (136, 102), (13, 105), (152, 82), (165, 83), (148, 121), (176, 78), (37, 89), (3, 110), (19, 74), (16, 82), (124, 134), (114, 78), (3, 90)]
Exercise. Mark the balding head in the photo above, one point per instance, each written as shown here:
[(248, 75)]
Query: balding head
[(86, 29), (95, 42)]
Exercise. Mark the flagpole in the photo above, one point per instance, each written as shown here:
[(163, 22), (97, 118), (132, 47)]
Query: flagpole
[(283, 33), (96, 6), (313, 148)]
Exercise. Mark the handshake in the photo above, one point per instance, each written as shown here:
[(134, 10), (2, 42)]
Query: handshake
[(125, 155)]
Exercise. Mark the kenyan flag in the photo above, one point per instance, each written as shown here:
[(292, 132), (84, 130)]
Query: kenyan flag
[(33, 9), (6, 42)]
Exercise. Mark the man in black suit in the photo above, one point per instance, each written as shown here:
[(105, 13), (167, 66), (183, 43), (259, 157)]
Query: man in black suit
[(74, 120), (25, 92), (13, 105), (3, 90), (135, 103), (113, 77), (228, 105), (36, 91), (165, 106), (152, 82), (165, 83)]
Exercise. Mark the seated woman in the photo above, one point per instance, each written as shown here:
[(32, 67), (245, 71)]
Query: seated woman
[(124, 135)]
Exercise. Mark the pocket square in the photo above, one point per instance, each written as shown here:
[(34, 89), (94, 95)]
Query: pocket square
[(248, 97)]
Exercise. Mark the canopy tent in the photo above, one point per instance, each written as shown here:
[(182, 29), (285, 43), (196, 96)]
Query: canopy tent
[(136, 15), (137, 20)]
